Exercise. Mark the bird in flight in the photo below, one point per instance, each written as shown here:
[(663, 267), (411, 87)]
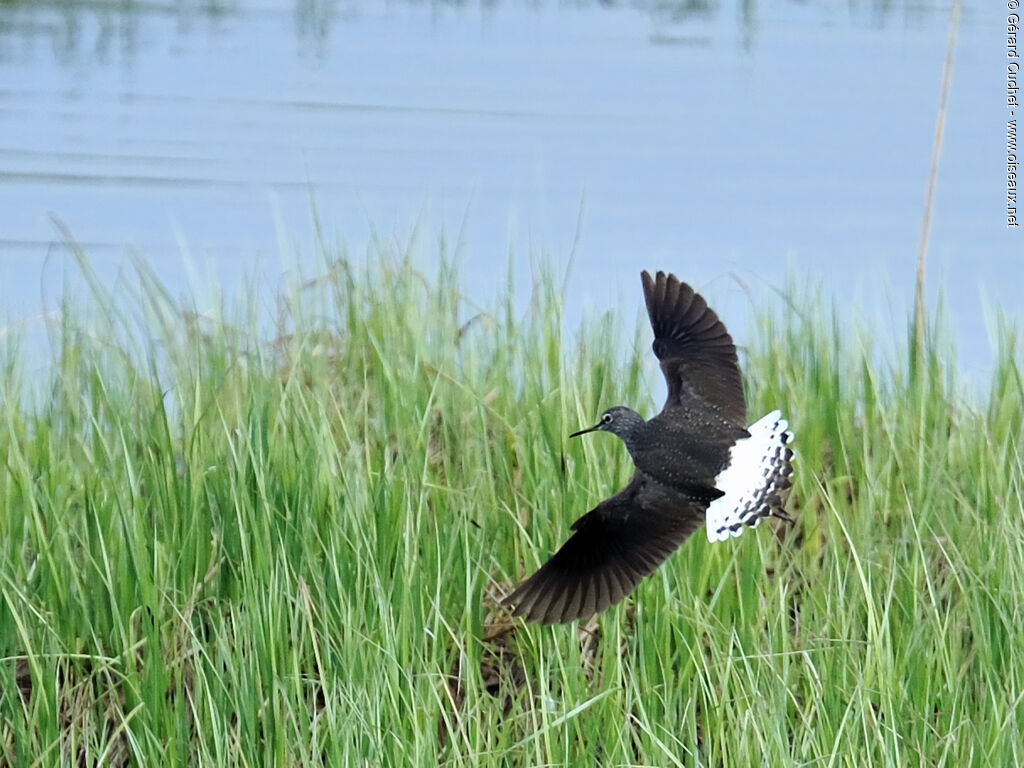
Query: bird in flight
[(696, 462)]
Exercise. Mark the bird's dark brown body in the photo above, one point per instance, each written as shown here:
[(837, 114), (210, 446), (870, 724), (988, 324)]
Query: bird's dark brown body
[(682, 458), (686, 450)]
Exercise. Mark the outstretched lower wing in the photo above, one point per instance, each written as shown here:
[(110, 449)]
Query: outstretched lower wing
[(616, 544), (697, 354)]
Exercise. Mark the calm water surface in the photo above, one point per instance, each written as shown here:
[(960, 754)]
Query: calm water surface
[(721, 140)]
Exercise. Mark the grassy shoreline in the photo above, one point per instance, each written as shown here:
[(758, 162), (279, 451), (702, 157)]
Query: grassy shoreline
[(223, 550)]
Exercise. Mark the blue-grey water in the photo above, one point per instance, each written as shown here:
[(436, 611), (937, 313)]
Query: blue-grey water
[(731, 142)]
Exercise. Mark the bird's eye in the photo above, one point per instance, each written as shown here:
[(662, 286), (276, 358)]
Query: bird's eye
[(606, 418)]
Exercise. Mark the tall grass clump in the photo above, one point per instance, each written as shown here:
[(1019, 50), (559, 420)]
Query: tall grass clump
[(221, 545)]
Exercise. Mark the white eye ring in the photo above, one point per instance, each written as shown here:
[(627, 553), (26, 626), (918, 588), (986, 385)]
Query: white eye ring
[(606, 418)]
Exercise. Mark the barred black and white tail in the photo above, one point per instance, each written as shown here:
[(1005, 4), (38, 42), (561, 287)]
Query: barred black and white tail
[(758, 472)]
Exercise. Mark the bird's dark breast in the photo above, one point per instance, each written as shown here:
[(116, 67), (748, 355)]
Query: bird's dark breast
[(685, 450)]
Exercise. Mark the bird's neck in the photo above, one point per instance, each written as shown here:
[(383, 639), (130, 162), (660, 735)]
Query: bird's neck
[(631, 437)]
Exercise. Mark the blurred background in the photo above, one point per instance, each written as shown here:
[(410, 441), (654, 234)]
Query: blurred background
[(737, 143)]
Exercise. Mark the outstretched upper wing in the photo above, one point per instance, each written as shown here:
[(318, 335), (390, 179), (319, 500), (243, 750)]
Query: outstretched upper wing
[(697, 354), (616, 544)]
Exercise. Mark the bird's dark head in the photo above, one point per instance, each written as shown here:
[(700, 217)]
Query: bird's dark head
[(618, 420)]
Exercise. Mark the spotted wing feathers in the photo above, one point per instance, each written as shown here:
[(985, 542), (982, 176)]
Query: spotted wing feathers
[(758, 471)]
